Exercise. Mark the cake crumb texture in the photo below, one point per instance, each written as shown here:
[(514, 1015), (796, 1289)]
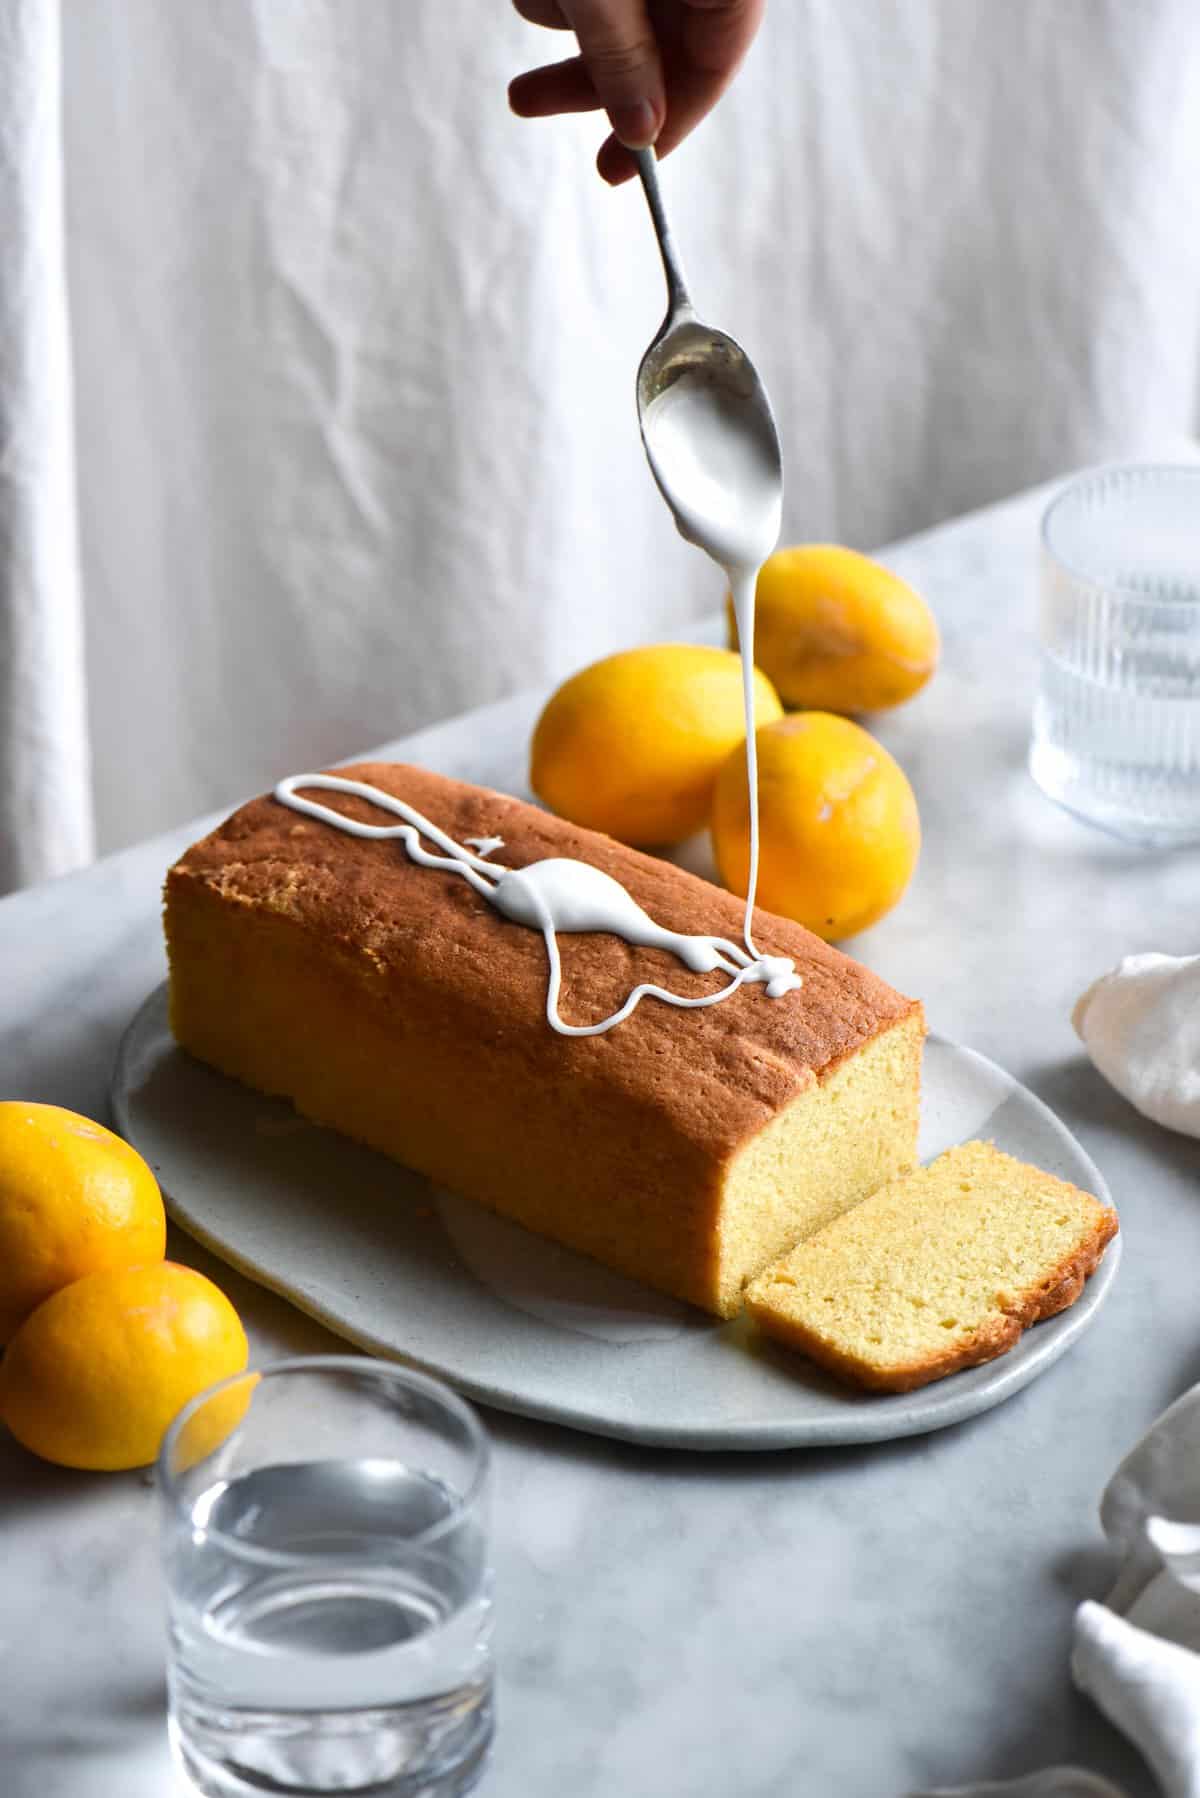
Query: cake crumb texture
[(941, 1269)]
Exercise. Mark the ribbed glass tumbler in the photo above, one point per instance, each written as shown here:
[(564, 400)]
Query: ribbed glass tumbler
[(1116, 723)]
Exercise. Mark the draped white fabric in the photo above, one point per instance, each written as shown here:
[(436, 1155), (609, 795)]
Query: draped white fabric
[(45, 797), (354, 440)]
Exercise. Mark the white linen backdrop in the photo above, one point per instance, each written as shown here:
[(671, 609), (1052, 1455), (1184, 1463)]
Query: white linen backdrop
[(353, 350)]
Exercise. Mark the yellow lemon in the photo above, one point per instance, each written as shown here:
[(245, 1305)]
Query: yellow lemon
[(632, 745), (94, 1377), (838, 633), (838, 826), (73, 1198)]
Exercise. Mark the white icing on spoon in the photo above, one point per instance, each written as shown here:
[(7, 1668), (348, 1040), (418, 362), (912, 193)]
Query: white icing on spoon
[(556, 894), (718, 453)]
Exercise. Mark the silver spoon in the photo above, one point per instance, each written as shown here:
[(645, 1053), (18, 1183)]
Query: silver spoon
[(692, 472)]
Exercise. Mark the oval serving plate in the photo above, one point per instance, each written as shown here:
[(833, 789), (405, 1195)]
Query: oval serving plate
[(404, 1270)]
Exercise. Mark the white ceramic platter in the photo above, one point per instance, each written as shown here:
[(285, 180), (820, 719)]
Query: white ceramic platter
[(405, 1270)]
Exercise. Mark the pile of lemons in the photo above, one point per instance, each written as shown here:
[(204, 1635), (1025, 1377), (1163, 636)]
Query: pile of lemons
[(649, 745), (106, 1340)]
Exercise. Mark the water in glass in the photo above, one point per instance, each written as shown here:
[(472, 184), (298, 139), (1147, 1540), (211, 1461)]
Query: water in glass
[(1121, 745), (354, 1673), (1116, 724)]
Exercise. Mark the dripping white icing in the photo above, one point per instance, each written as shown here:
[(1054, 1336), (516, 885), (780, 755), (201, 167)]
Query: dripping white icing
[(718, 458), (558, 894)]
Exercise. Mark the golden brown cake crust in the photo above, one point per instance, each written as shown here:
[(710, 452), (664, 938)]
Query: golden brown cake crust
[(723, 1078)]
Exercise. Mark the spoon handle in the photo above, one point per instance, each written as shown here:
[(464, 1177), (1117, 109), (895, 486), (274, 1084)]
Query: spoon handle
[(679, 301)]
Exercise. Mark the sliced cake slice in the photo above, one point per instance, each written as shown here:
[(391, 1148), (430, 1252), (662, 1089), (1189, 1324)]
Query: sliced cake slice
[(938, 1270)]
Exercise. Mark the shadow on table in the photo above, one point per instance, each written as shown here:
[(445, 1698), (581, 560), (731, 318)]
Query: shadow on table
[(29, 1484), (1083, 1098), (1062, 1728)]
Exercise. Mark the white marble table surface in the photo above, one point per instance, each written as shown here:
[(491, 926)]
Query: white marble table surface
[(841, 1624)]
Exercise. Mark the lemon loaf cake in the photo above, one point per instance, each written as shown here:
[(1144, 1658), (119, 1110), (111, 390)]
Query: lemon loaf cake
[(941, 1269), (687, 1148)]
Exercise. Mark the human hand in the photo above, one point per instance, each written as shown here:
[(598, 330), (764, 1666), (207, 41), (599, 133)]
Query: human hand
[(656, 67)]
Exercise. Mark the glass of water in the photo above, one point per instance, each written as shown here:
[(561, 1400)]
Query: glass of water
[(324, 1536), (1116, 726)]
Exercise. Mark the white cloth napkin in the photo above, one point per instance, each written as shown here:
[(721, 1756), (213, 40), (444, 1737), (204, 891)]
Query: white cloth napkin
[(1141, 1026), (45, 786)]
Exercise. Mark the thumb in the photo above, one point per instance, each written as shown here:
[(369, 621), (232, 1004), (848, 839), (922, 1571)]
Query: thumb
[(618, 47)]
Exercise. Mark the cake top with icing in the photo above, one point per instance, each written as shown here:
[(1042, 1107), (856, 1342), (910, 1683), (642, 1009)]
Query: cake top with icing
[(428, 935)]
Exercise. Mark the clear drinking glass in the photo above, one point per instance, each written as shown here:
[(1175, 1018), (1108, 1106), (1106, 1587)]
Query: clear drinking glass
[(1116, 725), (327, 1583)]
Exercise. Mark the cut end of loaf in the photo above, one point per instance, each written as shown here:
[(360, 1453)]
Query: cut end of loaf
[(940, 1270), (848, 1135)]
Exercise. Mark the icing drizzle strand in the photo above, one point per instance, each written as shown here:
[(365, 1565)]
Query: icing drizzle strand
[(557, 894)]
